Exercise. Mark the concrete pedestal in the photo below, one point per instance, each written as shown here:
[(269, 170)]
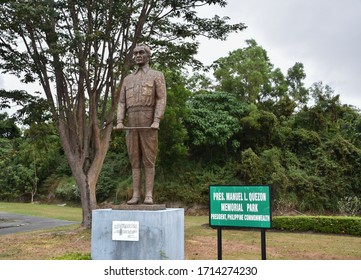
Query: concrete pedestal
[(161, 235)]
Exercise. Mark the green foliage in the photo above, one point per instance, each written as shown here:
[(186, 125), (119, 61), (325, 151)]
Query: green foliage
[(115, 168), (321, 224), (258, 128), (245, 72), (30, 160), (349, 205), (115, 171), (301, 141), (67, 190), (250, 168), (16, 176), (33, 109), (213, 121), (190, 183), (249, 73), (350, 124), (173, 133), (123, 190), (8, 127), (285, 202), (325, 115), (296, 89), (10, 182)]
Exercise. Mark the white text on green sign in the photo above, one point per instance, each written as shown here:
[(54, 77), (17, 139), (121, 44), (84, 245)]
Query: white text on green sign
[(240, 206)]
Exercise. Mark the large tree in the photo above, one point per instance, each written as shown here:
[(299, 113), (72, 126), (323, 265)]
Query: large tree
[(245, 72), (249, 73), (81, 50)]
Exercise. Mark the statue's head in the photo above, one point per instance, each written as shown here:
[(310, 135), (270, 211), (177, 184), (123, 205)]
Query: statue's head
[(141, 54)]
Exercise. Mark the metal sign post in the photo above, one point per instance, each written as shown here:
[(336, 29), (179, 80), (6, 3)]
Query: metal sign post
[(263, 243), (219, 243), (240, 206)]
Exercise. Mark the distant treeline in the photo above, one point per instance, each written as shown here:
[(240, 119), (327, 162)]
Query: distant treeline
[(251, 124)]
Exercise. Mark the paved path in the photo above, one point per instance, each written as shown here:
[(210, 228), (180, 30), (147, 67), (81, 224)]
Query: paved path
[(12, 223)]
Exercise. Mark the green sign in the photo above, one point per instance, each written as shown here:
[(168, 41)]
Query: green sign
[(240, 206)]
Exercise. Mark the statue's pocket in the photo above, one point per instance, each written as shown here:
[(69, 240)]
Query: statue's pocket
[(147, 88), (130, 91)]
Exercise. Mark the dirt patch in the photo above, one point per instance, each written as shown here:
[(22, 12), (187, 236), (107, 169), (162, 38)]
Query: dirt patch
[(42, 245), (205, 248), (286, 246)]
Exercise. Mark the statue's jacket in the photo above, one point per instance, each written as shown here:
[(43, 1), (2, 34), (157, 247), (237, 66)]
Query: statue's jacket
[(143, 90)]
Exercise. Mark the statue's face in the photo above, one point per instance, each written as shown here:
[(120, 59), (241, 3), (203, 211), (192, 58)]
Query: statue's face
[(140, 56)]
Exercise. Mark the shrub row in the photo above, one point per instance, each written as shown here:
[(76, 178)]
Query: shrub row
[(321, 224), (74, 256)]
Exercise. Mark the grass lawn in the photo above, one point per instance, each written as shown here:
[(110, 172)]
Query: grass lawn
[(201, 243), (200, 240), (43, 210)]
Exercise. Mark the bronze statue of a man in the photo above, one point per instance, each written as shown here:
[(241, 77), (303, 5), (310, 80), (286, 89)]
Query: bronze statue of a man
[(143, 100)]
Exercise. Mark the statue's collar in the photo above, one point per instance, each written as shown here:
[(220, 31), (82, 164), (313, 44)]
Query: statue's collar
[(144, 68)]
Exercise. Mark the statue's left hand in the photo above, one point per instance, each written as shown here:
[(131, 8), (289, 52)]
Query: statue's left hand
[(155, 125)]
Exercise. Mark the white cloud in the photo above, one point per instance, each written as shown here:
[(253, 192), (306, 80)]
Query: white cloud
[(324, 35)]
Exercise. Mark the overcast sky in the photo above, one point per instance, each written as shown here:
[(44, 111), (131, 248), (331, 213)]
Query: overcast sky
[(324, 35)]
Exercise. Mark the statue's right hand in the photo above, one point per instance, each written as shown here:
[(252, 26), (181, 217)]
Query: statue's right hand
[(120, 126)]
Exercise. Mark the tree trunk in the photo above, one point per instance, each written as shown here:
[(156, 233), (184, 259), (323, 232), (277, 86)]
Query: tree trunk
[(86, 169), (88, 198)]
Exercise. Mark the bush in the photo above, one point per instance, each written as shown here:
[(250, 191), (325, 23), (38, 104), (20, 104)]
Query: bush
[(286, 202), (74, 256), (68, 190), (124, 190), (190, 184), (321, 224), (114, 171), (349, 206)]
